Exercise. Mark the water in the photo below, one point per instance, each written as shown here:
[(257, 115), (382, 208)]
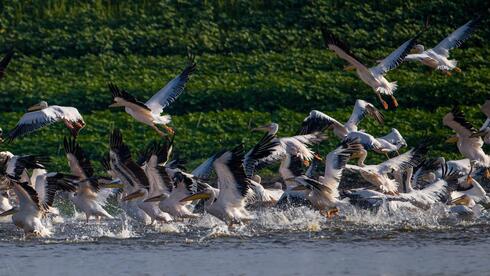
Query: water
[(296, 242)]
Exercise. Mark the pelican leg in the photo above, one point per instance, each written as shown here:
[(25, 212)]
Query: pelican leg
[(395, 102), (362, 155), (447, 73), (486, 173), (87, 217), (469, 179), (158, 130), (383, 102), (457, 69), (330, 213), (169, 130), (387, 156)]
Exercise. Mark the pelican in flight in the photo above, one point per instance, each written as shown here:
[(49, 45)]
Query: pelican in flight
[(324, 193), (41, 115), (299, 142), (484, 131), (149, 113), (469, 145), (378, 174), (235, 187), (391, 142), (35, 203), (318, 121), (438, 191), (136, 184), (89, 197), (374, 76), (438, 57), (5, 62)]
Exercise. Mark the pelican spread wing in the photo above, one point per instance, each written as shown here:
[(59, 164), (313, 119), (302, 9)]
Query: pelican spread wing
[(456, 38), (122, 94), (456, 121), (342, 50), (318, 121), (261, 150), (172, 90), (78, 161), (361, 110), (335, 163), (395, 58), (411, 158), (233, 184), (36, 120)]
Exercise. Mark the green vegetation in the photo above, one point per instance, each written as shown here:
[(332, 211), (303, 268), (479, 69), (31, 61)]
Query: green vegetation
[(258, 61)]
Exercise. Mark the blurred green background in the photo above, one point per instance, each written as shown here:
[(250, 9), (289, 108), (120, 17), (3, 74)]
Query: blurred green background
[(258, 61)]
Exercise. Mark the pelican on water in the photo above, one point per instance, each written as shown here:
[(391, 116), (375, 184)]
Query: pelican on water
[(136, 184), (438, 57), (378, 174), (233, 183), (374, 76), (89, 197), (438, 191), (324, 194), (318, 121), (41, 115), (35, 203), (149, 113)]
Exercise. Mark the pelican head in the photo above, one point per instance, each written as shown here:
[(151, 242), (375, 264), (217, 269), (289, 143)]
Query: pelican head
[(116, 102), (138, 194), (464, 200), (271, 128), (417, 49), (10, 212), (452, 139), (349, 68), (39, 106), (206, 194)]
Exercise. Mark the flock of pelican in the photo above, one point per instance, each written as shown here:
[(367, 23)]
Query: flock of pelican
[(156, 188)]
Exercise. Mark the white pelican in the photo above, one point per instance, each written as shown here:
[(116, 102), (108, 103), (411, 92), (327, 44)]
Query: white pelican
[(484, 131), (299, 143), (149, 113), (5, 62), (324, 194), (41, 115), (169, 184), (185, 185), (34, 203), (318, 121), (466, 207), (391, 142), (438, 191), (374, 76), (136, 183), (438, 57), (378, 174), (89, 197), (4, 201), (234, 188), (15, 166), (233, 183), (469, 146)]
